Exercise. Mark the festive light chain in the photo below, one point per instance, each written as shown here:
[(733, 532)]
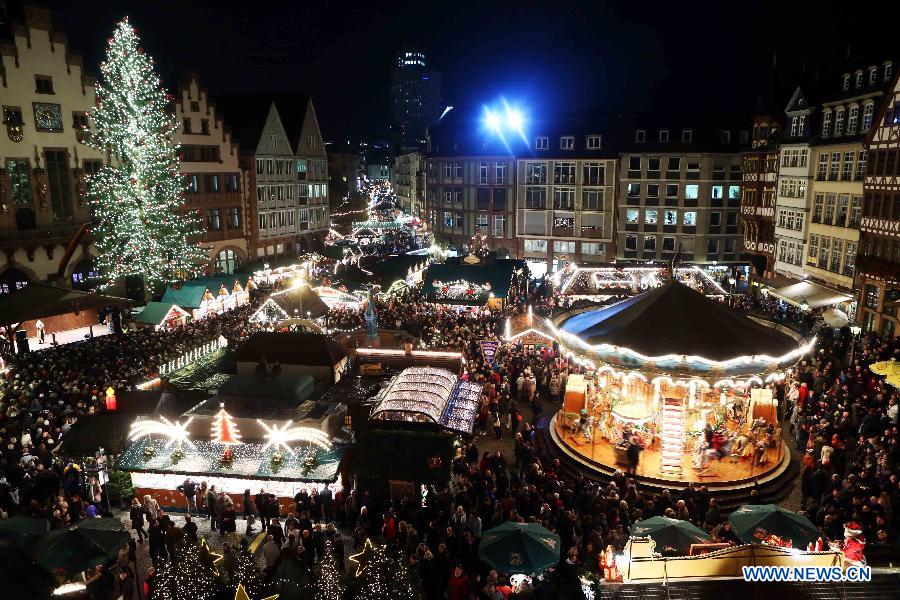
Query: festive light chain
[(281, 437), (175, 432)]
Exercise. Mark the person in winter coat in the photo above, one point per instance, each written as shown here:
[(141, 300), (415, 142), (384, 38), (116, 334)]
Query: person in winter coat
[(151, 507), (137, 519)]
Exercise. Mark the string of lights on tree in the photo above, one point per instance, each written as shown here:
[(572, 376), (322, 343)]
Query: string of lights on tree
[(137, 199), (190, 576), (328, 586)]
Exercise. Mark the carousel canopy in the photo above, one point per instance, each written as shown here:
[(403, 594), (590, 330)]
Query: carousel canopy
[(673, 319), (291, 348)]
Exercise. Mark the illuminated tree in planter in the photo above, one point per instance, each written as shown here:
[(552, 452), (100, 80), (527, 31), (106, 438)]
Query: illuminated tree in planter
[(328, 586), (224, 431), (385, 575), (247, 575), (139, 228), (190, 575)]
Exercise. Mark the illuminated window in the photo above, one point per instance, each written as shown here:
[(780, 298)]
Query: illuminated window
[(631, 216), (651, 217), (691, 191)]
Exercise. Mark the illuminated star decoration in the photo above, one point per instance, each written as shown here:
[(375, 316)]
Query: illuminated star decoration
[(217, 558), (364, 557), (280, 437), (175, 432), (241, 594)]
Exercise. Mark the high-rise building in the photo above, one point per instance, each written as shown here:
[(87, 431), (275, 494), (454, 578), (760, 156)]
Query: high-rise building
[(415, 96), (878, 263)]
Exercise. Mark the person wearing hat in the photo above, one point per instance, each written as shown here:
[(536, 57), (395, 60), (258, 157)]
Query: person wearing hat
[(852, 546)]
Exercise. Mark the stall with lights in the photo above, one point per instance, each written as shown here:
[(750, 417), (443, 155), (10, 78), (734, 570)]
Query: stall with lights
[(489, 284), (209, 295), (234, 454), (673, 367), (297, 302), (610, 282)]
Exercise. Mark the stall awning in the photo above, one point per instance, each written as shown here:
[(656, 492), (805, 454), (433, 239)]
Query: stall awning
[(812, 294)]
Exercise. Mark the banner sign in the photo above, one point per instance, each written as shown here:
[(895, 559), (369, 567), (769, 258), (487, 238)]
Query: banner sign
[(489, 350)]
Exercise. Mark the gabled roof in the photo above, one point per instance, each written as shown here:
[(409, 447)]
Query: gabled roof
[(673, 319), (156, 312), (298, 301), (291, 348), (247, 115), (190, 293)]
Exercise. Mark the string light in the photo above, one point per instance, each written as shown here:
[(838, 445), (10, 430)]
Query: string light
[(138, 199), (281, 437), (175, 432)]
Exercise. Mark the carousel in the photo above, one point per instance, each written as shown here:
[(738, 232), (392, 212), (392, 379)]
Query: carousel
[(681, 379)]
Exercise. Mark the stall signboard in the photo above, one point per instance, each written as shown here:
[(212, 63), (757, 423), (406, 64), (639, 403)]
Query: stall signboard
[(489, 350)]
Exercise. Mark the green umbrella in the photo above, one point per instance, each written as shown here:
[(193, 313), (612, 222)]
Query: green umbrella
[(753, 523), (79, 547), (672, 536), (23, 530), (519, 548)]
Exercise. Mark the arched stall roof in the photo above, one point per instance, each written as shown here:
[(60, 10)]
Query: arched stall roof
[(429, 395)]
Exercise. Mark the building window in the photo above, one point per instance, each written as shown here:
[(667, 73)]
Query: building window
[(499, 226), (233, 217), (829, 209), (849, 259), (536, 197), (839, 121), (846, 84), (592, 200), (20, 180), (650, 244), (262, 222), (227, 261), (204, 126), (541, 143), (887, 71), (725, 136), (483, 169), (668, 245), (536, 246), (593, 248), (640, 136), (564, 247), (868, 114), (651, 216), (855, 211), (692, 191), (712, 246), (213, 221), (194, 184), (670, 218), (859, 79), (671, 190), (500, 171), (593, 174), (564, 173), (663, 136), (824, 249), (593, 142), (818, 209), (567, 142), (58, 177), (813, 250), (674, 164), (822, 169), (631, 242), (43, 84), (826, 124), (563, 198), (687, 136), (715, 219), (631, 216), (871, 296), (634, 163), (186, 125), (481, 221), (653, 190), (852, 119), (837, 252)]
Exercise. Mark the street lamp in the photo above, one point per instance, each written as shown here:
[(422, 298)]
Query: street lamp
[(855, 330)]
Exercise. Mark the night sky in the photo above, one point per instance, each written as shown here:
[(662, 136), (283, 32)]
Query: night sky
[(548, 56)]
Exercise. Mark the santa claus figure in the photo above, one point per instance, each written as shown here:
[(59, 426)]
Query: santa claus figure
[(853, 545)]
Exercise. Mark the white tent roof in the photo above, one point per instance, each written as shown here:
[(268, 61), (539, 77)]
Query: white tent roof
[(813, 294)]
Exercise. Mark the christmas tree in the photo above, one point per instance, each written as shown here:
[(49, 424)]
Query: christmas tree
[(246, 574), (140, 227), (190, 575), (328, 586), (384, 576), (224, 431)]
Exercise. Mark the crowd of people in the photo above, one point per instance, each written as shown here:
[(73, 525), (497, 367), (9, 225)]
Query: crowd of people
[(843, 419)]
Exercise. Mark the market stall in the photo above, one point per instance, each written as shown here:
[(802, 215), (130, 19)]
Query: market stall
[(209, 295), (161, 316)]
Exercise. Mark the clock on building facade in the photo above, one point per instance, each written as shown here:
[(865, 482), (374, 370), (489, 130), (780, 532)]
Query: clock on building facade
[(47, 117)]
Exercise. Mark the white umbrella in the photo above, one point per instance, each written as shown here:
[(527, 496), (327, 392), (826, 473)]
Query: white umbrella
[(835, 317)]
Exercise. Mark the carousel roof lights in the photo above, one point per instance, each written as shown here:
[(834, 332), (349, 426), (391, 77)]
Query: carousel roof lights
[(175, 432), (281, 437), (737, 361), (680, 382)]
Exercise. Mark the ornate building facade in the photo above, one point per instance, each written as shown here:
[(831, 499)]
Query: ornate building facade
[(216, 188), (759, 168), (878, 263), (45, 96)]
